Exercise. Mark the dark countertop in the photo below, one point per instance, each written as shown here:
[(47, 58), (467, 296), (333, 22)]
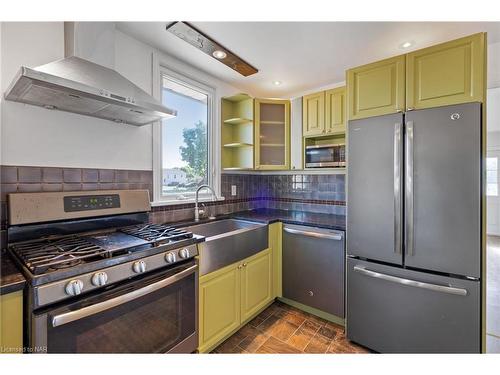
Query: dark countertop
[(268, 216), (11, 280)]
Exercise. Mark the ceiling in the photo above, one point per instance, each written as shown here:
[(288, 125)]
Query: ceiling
[(302, 55)]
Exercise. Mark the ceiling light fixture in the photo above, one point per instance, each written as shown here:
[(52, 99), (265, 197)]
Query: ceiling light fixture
[(218, 54), (406, 45), (212, 48), (276, 83)]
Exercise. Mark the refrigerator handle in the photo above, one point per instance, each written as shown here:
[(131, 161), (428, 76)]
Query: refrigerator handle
[(397, 188), (409, 198)]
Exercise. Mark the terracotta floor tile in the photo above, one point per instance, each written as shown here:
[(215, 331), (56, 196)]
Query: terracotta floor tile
[(300, 339), (256, 321), (311, 326), (283, 330), (328, 332), (291, 317), (253, 342), (267, 325), (273, 345), (318, 344), (278, 330)]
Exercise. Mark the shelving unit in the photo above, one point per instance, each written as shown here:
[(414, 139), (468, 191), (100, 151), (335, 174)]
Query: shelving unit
[(237, 133)]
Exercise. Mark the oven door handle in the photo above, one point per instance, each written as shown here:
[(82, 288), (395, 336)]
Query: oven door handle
[(71, 316)]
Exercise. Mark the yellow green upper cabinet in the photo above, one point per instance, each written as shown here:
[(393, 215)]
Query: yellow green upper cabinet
[(335, 110), (256, 284), (376, 89), (448, 73), (313, 114), (219, 305), (272, 134)]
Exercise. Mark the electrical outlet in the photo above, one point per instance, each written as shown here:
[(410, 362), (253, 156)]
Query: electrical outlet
[(233, 190)]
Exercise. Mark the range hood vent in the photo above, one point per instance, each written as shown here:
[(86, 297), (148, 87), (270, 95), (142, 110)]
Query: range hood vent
[(80, 86)]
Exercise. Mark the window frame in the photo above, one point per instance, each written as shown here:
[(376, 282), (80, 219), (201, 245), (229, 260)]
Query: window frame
[(212, 134)]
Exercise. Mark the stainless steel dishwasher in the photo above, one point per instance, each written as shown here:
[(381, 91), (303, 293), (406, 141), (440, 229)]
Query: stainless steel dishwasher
[(313, 267)]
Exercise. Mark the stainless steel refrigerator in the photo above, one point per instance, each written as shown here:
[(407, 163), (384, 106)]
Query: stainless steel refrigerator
[(414, 231)]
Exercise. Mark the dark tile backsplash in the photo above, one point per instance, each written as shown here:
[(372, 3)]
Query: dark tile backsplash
[(315, 193)]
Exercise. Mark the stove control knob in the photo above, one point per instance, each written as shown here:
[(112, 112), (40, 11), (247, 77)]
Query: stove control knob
[(170, 258), (139, 266), (74, 287), (99, 279), (184, 253)]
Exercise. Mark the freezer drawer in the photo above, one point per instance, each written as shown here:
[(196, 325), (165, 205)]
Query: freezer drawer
[(313, 267), (390, 313)]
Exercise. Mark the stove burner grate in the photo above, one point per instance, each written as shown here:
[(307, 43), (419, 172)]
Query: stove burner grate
[(42, 255), (157, 233)]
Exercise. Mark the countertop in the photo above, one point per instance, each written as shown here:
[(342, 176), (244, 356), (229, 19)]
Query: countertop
[(11, 280), (266, 215)]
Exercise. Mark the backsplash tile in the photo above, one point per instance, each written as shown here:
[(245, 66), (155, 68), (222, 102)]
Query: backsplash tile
[(315, 193)]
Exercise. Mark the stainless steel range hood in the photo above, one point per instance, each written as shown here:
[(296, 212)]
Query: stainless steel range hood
[(80, 86)]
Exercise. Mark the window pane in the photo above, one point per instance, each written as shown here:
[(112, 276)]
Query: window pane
[(492, 176), (491, 164), (184, 140)]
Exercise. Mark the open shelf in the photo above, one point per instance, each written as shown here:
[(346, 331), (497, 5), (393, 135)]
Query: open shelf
[(237, 121), (237, 133)]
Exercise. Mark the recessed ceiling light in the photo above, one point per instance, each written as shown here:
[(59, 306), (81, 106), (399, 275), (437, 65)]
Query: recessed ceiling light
[(218, 54), (276, 83), (406, 44)]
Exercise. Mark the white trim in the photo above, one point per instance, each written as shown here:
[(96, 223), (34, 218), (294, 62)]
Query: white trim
[(160, 69)]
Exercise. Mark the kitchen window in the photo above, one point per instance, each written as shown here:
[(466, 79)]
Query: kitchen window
[(492, 176), (186, 142)]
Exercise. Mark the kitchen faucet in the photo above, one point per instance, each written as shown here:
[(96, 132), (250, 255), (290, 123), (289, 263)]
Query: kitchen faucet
[(196, 211)]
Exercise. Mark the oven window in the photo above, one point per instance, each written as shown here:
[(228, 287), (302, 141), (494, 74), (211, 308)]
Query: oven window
[(153, 323)]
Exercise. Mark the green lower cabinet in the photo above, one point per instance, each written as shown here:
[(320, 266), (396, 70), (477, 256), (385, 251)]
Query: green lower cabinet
[(231, 296), (219, 307), (256, 284)]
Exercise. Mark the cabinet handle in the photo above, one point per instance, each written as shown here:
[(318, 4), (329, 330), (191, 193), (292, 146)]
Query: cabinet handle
[(244, 264), (399, 110), (240, 267), (410, 109)]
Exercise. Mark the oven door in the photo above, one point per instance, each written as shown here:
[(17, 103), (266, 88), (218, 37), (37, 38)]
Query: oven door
[(155, 314)]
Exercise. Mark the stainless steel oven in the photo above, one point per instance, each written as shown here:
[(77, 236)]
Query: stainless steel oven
[(156, 313), (325, 156)]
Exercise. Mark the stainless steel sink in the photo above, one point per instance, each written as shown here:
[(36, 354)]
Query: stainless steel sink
[(228, 241)]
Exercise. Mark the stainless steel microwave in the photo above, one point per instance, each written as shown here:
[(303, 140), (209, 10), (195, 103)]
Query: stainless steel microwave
[(325, 156)]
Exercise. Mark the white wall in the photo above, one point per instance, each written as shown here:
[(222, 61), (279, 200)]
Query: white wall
[(36, 136)]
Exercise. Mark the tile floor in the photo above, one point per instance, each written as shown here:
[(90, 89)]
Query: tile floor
[(493, 295), (284, 329)]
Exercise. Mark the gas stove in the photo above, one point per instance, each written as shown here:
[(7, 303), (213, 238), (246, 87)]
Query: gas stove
[(82, 249), (95, 267)]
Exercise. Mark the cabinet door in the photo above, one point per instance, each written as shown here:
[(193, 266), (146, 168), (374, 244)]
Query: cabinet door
[(219, 305), (272, 134), (256, 283), (11, 322), (313, 114), (449, 73), (335, 111), (376, 89)]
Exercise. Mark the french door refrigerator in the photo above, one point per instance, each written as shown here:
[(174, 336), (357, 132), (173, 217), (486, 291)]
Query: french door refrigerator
[(414, 231)]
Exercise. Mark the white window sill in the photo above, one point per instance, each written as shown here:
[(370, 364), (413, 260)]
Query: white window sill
[(184, 201)]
